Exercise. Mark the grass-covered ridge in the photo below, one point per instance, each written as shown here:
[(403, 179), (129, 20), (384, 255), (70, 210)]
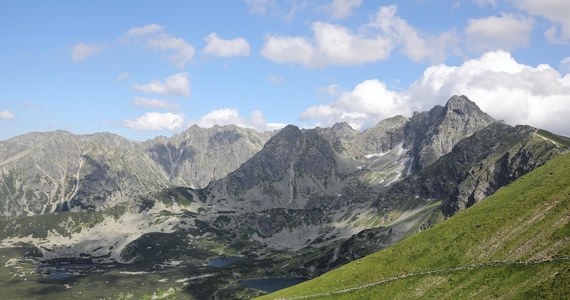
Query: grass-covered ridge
[(514, 244)]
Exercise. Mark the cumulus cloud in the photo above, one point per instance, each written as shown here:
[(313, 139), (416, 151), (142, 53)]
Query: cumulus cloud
[(227, 116), (175, 85), (181, 51), (286, 9), (6, 115), (82, 51), (364, 106), (510, 91), (176, 50), (154, 103), (330, 90), (332, 45), (338, 45), (260, 6), (340, 9), (144, 30), (504, 32), (555, 11), (226, 48), (286, 49), (415, 44), (514, 92), (156, 121)]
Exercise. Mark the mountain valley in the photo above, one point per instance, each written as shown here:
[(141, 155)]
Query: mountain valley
[(81, 212)]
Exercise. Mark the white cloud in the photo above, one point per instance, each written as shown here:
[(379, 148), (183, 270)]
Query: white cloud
[(144, 30), (260, 6), (226, 116), (156, 121), (514, 92), (337, 45), (415, 45), (122, 75), (505, 32), (340, 9), (177, 50), (285, 49), (555, 11), (286, 9), (484, 3), (6, 115), (517, 93), (330, 90), (332, 45), (154, 103), (82, 51), (182, 51), (175, 85), (364, 106), (222, 116), (226, 48)]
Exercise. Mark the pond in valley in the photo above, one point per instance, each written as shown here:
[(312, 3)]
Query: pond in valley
[(62, 271), (219, 262)]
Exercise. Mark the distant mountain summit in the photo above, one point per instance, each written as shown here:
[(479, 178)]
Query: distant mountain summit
[(59, 171), (434, 133), (199, 155)]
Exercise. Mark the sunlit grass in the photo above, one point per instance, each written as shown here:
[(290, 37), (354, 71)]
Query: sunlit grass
[(527, 220)]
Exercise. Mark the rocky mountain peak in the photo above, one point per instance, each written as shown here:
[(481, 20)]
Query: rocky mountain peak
[(272, 162), (193, 128), (462, 105), (289, 133), (434, 133), (339, 134), (386, 135), (198, 155), (342, 126), (391, 123), (462, 111)]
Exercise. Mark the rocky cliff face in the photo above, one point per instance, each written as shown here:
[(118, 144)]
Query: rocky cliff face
[(315, 167), (291, 168), (59, 171), (433, 134), (475, 168), (199, 155), (50, 172), (515, 152)]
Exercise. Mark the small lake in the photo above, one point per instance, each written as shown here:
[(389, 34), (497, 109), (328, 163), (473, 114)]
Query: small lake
[(271, 285), (62, 271), (220, 262)]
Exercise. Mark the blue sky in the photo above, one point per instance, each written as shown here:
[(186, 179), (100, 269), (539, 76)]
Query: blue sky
[(147, 68)]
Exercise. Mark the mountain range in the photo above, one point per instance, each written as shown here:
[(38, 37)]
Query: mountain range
[(292, 203), (59, 171)]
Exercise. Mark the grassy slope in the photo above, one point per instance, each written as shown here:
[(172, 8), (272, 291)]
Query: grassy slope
[(527, 220)]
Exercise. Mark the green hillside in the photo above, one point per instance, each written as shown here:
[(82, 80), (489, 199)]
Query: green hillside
[(514, 244)]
